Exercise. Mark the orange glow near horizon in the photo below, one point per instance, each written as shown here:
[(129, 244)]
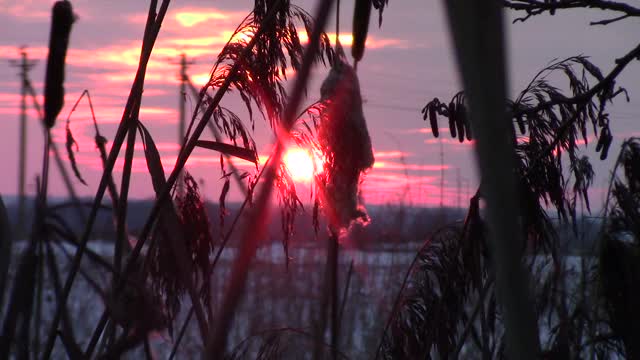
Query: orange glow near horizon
[(300, 164)]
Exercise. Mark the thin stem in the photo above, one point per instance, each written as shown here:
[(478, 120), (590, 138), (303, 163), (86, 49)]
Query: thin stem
[(183, 329), (396, 302), (345, 292), (332, 264), (38, 308), (66, 179), (122, 202), (104, 318), (54, 273)]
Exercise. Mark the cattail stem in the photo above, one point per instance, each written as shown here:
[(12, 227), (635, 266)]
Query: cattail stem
[(477, 33), (332, 267)]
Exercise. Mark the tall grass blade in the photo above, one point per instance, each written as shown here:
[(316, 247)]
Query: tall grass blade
[(154, 162), (236, 151), (6, 244)]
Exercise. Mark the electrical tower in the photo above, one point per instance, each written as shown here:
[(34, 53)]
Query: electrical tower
[(25, 65)]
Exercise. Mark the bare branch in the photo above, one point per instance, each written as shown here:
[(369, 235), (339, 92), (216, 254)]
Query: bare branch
[(605, 83), (537, 7)]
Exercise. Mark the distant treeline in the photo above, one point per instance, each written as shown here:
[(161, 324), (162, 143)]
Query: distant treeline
[(390, 224)]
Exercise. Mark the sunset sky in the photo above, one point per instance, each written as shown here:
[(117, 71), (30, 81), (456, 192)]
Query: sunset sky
[(408, 62)]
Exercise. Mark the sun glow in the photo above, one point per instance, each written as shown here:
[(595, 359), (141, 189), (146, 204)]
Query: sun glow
[(300, 164)]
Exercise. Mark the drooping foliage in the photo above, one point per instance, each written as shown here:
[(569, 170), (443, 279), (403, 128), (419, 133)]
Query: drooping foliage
[(551, 126), (548, 130), (620, 251)]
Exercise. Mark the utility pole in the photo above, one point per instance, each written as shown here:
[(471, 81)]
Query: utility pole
[(24, 64), (182, 119), (183, 93)]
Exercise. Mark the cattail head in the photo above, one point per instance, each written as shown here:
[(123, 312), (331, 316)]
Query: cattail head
[(61, 20), (361, 16)]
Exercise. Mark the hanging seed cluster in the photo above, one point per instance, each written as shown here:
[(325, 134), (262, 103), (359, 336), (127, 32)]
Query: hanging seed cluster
[(137, 307), (455, 111), (551, 124), (345, 143), (197, 231), (193, 227), (289, 206)]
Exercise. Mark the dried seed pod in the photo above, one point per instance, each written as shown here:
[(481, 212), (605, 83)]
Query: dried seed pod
[(465, 120), (460, 127), (61, 21), (606, 145), (521, 126), (601, 140), (452, 120), (361, 16), (433, 119)]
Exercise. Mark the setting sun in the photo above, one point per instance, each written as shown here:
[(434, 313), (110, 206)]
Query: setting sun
[(300, 164)]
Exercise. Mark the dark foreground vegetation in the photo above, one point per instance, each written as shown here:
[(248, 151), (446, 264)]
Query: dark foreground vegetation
[(494, 284)]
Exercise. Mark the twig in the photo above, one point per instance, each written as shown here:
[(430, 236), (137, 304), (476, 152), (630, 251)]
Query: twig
[(345, 292), (183, 329), (621, 63), (609, 21)]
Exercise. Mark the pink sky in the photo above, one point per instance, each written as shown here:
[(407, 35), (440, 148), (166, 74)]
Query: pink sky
[(407, 63)]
